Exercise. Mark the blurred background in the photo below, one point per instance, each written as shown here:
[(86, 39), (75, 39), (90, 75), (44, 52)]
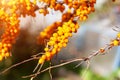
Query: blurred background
[(93, 34)]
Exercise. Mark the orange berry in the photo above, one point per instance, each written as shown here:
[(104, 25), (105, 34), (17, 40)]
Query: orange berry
[(85, 18), (60, 32), (7, 54), (1, 57), (43, 57), (28, 8), (102, 50), (54, 51), (55, 35), (64, 44), (73, 29), (118, 35), (46, 49), (60, 45), (41, 11), (56, 46), (115, 42), (41, 61), (58, 49), (66, 40), (48, 55)]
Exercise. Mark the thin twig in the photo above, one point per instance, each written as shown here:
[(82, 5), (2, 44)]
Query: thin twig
[(18, 64), (106, 48), (83, 74), (65, 63), (50, 72), (36, 67), (78, 64), (38, 54), (37, 71), (51, 67)]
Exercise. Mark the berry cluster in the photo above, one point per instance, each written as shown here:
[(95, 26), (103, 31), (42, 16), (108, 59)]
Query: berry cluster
[(47, 32), (8, 38), (26, 7), (10, 11), (59, 40), (77, 10), (53, 4), (56, 34), (85, 9), (116, 41)]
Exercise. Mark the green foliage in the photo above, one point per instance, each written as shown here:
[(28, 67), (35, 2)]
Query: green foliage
[(90, 75)]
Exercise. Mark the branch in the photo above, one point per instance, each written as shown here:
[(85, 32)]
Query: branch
[(65, 63), (100, 51), (51, 67), (34, 58)]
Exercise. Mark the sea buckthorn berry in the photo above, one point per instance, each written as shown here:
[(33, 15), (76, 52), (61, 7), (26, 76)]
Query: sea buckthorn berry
[(28, 8), (59, 28), (7, 54), (59, 33), (55, 35), (93, 1), (69, 1), (60, 45), (56, 46), (46, 49), (64, 44), (48, 55), (58, 49), (1, 57), (34, 1), (70, 34), (10, 11), (73, 29), (118, 35), (66, 40), (54, 51), (41, 61), (43, 57), (44, 11), (102, 50), (69, 10), (85, 18), (115, 42)]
